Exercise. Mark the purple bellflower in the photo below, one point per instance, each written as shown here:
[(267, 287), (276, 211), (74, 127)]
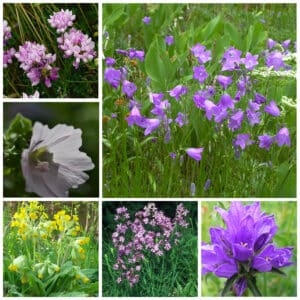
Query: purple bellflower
[(195, 153), (244, 248), (225, 81), (265, 141), (272, 109), (283, 137), (169, 39), (200, 73), (178, 91)]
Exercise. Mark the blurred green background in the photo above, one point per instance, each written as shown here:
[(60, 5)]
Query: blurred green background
[(269, 284), (79, 115), (29, 22)]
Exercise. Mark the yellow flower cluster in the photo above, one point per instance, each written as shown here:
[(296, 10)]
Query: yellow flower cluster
[(32, 222)]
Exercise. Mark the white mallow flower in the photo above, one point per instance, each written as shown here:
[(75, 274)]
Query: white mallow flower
[(53, 163)]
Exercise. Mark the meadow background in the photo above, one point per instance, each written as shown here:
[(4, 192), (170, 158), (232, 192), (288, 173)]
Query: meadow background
[(269, 284), (139, 166), (79, 115), (63, 285), (29, 22), (173, 274)]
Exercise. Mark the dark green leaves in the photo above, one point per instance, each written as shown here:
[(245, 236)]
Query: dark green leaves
[(251, 282), (16, 138), (229, 284), (158, 66)]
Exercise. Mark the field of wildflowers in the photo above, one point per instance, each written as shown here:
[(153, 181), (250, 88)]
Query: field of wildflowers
[(50, 249), (253, 253), (50, 50), (149, 249), (199, 100), (51, 149)]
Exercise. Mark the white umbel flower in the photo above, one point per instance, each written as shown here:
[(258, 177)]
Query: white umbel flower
[(53, 163)]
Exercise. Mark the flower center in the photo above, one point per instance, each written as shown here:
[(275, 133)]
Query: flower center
[(41, 159), (244, 244)]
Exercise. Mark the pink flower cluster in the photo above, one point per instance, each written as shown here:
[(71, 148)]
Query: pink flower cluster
[(62, 20), (150, 232), (76, 43), (9, 53), (37, 63)]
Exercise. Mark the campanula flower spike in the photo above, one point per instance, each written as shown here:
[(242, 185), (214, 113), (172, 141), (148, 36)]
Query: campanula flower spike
[(244, 248)]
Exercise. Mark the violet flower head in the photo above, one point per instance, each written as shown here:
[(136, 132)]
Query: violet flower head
[(77, 44), (225, 81), (113, 77), (259, 99), (271, 43), (272, 109), (181, 119), (195, 153), (253, 117), (169, 39), (201, 53), (61, 20), (236, 120), (129, 88), (231, 59), (178, 91), (275, 60), (244, 248), (243, 140), (200, 73), (283, 137), (250, 61), (109, 61), (147, 20), (285, 44), (265, 141)]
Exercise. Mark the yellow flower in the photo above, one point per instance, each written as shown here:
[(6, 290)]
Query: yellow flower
[(74, 233), (67, 217), (77, 276), (12, 268), (83, 241), (77, 228), (33, 216), (23, 236), (81, 250), (15, 224), (45, 215), (61, 228), (57, 269), (24, 279), (44, 236), (75, 218), (85, 280)]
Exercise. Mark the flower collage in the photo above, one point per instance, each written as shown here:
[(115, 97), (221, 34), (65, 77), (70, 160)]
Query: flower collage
[(166, 170)]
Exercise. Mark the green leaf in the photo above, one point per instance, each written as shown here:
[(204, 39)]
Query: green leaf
[(158, 65), (229, 284), (212, 27), (277, 271), (252, 286), (112, 17), (232, 33)]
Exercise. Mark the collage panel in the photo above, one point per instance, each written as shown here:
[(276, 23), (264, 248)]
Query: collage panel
[(51, 149), (149, 249), (200, 99), (50, 249), (50, 50), (249, 248)]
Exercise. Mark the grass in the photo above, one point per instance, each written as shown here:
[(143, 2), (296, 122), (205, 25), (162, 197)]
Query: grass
[(29, 22), (127, 153), (173, 274), (268, 283)]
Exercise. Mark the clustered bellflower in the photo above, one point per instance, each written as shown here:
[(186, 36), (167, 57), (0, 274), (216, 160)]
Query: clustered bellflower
[(244, 248), (150, 232), (53, 163)]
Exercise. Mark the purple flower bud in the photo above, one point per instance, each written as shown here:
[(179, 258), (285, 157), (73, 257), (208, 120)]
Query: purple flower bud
[(283, 137), (272, 109), (195, 153), (169, 39)]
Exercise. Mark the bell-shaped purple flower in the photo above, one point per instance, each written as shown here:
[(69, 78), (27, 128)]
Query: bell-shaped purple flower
[(283, 137), (195, 153), (272, 109), (265, 141), (225, 81)]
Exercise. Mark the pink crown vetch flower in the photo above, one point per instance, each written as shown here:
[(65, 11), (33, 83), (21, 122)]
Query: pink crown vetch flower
[(61, 20), (53, 163)]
